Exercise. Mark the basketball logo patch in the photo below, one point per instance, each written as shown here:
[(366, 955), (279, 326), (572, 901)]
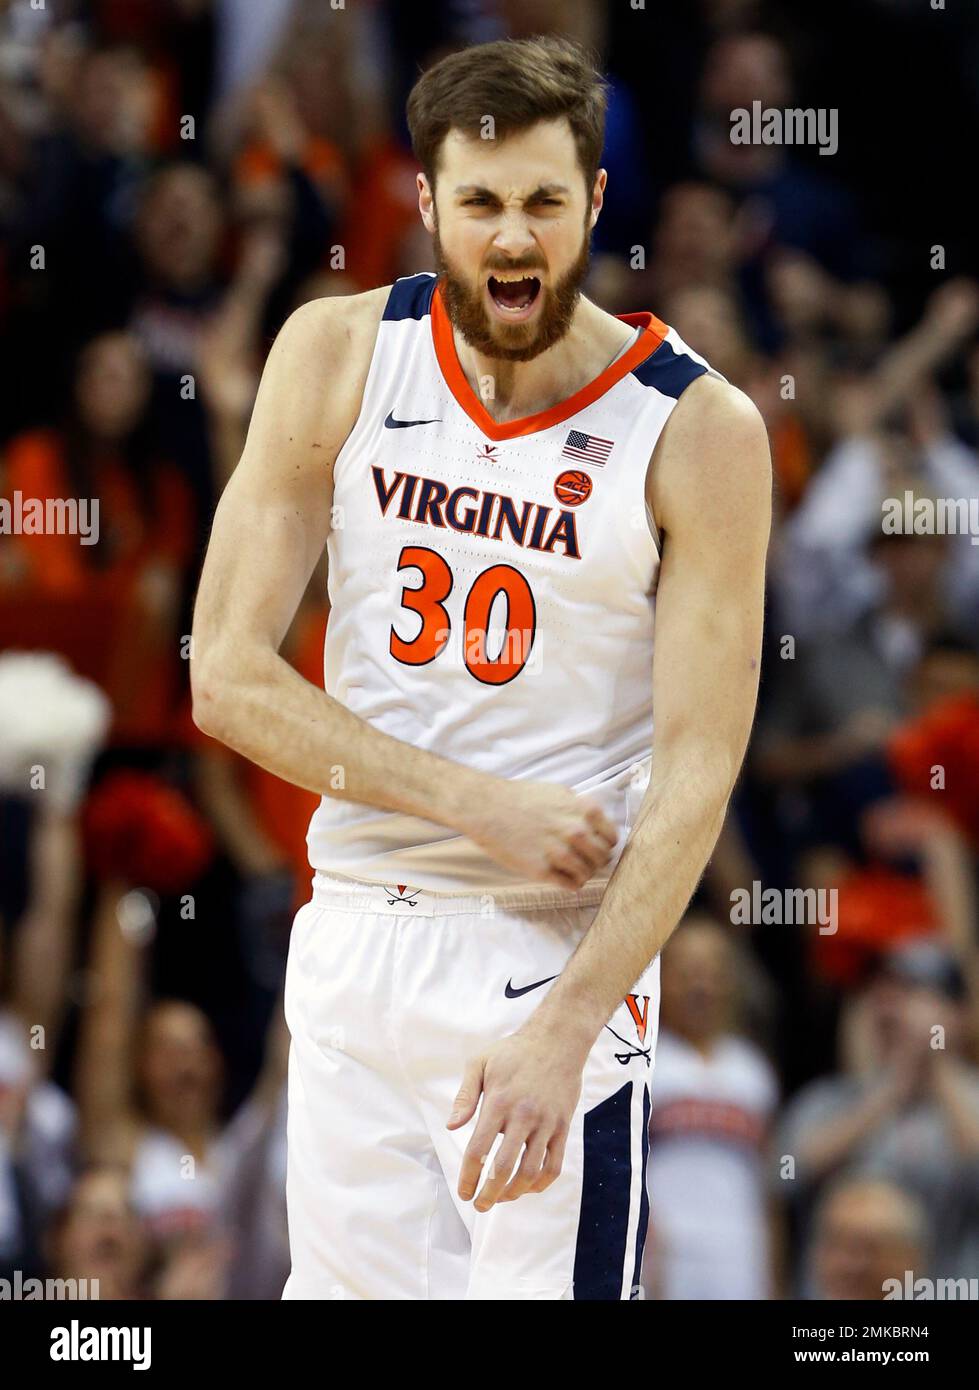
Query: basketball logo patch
[(572, 487)]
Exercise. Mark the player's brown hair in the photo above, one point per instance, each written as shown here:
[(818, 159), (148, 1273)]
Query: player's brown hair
[(518, 82)]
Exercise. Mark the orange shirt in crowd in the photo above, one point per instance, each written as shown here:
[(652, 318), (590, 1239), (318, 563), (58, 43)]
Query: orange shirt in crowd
[(35, 467), (383, 210), (877, 908), (791, 459), (258, 162), (936, 757), (84, 600)]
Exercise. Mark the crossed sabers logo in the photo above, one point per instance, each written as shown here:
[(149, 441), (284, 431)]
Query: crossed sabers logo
[(401, 893), (640, 1017), (487, 452)]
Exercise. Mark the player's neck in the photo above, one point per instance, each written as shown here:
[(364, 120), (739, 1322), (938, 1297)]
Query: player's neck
[(519, 389)]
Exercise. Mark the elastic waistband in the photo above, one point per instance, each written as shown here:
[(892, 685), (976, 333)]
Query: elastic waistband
[(401, 899)]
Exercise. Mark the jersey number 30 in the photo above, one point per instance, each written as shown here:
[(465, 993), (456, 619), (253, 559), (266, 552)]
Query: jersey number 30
[(428, 602)]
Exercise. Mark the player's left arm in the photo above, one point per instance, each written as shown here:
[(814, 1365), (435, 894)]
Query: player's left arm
[(709, 488)]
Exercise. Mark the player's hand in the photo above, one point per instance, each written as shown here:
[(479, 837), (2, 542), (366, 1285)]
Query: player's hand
[(529, 1087), (542, 832)]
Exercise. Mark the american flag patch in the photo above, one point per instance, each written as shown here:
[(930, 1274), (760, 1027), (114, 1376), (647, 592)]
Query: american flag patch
[(587, 448)]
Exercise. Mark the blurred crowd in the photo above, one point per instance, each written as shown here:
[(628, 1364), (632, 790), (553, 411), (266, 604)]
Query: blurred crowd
[(175, 177)]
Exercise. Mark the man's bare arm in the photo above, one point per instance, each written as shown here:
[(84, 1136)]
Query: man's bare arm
[(269, 531), (710, 490), (711, 493)]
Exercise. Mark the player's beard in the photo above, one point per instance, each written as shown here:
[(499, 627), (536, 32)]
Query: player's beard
[(516, 342)]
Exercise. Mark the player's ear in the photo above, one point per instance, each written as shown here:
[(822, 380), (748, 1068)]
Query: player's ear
[(426, 202), (597, 196)]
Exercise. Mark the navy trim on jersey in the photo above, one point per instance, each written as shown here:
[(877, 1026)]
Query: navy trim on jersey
[(410, 298), (606, 1185), (668, 371), (643, 1199)]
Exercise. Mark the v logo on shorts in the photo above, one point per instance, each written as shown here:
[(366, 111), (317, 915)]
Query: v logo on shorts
[(640, 1017)]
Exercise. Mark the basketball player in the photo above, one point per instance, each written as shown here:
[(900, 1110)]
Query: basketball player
[(504, 476)]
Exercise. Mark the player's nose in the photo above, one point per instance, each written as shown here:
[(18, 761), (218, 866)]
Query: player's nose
[(514, 238)]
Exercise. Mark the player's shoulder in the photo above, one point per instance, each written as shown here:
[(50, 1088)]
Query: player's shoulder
[(336, 325), (317, 369), (352, 320), (715, 445), (712, 411), (323, 352)]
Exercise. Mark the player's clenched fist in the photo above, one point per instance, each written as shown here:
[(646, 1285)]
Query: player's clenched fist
[(543, 832)]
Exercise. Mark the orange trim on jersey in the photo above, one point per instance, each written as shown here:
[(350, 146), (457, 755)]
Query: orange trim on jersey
[(455, 378)]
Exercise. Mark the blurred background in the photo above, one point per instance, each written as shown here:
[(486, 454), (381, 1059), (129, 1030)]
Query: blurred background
[(815, 1120)]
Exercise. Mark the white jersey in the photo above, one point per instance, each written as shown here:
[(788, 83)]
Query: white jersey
[(492, 585), (172, 1197), (707, 1130)]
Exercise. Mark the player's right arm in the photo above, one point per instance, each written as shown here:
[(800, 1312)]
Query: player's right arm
[(269, 530)]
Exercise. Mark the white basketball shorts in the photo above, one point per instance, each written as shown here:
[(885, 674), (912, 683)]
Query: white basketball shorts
[(389, 990)]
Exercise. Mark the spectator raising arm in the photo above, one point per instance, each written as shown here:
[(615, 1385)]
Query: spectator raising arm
[(44, 940), (950, 318), (104, 1063)]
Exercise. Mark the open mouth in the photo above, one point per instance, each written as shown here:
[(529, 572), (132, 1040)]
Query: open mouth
[(513, 294)]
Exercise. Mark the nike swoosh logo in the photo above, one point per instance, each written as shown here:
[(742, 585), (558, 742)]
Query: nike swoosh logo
[(392, 424), (512, 993)]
